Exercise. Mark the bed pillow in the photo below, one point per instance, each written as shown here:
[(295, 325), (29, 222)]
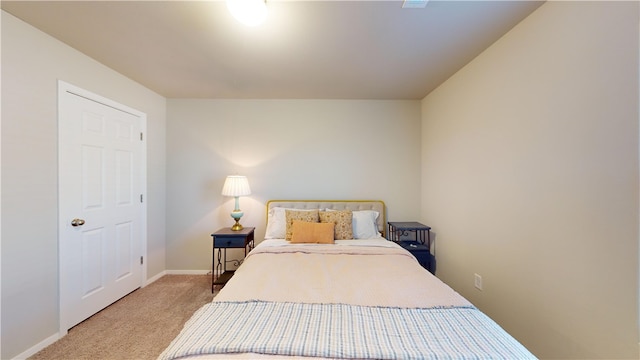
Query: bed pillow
[(342, 220), (309, 232), (365, 224), (302, 215), (276, 224)]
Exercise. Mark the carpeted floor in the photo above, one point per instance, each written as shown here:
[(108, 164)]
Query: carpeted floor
[(138, 326)]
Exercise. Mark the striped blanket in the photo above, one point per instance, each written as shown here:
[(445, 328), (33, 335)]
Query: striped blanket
[(344, 332)]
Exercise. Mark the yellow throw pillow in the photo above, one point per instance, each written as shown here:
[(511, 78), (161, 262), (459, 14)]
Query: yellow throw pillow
[(315, 233), (343, 221), (302, 215)]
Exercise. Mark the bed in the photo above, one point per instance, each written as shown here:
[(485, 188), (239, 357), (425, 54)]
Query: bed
[(303, 293)]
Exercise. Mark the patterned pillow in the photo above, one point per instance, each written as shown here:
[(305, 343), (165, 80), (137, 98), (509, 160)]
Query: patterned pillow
[(342, 219), (302, 215)]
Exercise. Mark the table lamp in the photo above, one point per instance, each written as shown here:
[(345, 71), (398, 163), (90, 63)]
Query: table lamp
[(236, 186)]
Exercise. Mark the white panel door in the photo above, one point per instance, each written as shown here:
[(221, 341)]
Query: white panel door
[(101, 182)]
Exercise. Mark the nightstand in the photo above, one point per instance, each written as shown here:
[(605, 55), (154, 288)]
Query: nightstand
[(415, 238), (224, 239), (421, 253), (402, 229)]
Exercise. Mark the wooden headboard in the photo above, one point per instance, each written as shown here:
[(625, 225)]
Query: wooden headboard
[(353, 205)]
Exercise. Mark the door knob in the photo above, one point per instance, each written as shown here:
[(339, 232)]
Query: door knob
[(77, 222)]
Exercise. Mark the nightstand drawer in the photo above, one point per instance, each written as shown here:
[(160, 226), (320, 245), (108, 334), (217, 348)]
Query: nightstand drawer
[(420, 252), (229, 241)]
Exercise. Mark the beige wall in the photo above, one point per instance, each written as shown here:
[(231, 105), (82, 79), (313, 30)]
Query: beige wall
[(528, 174), (32, 63), (289, 149), (530, 179)]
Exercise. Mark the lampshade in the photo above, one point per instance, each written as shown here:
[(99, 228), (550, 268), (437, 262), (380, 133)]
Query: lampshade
[(236, 185), (248, 12)]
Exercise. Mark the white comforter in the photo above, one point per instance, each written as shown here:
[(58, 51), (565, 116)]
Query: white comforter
[(372, 272), (358, 276)]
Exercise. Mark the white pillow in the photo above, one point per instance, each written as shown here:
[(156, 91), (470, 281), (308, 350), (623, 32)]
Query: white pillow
[(365, 224), (276, 224)]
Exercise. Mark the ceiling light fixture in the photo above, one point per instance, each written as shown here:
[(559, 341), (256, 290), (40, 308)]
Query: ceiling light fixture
[(414, 4), (248, 12)]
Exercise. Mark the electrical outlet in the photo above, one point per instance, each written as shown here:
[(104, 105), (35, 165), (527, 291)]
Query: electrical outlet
[(477, 279)]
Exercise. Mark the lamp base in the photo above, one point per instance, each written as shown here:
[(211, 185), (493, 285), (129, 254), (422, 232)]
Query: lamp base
[(237, 226), (236, 215)]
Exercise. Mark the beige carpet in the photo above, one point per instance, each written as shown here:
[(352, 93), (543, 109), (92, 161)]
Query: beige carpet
[(138, 326)]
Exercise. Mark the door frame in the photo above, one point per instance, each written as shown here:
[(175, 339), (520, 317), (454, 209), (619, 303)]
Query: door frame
[(64, 87)]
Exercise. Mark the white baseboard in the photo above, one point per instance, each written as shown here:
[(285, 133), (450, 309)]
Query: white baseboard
[(155, 278), (37, 347), (188, 272), (176, 272)]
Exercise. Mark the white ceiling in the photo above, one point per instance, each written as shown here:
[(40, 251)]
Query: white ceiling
[(306, 49)]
